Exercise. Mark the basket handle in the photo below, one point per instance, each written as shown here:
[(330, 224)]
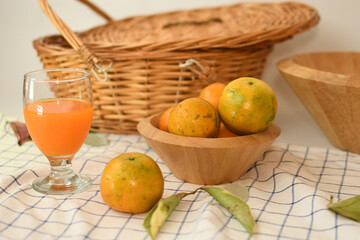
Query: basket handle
[(203, 72), (75, 42), (97, 10)]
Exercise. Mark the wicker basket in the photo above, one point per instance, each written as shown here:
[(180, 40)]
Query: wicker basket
[(142, 65)]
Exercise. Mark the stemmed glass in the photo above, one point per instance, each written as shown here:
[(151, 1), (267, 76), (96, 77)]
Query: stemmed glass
[(58, 111)]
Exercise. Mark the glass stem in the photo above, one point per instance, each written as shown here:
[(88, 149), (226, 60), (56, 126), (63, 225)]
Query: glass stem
[(62, 175)]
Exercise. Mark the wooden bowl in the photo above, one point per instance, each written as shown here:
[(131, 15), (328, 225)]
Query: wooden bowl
[(328, 84), (206, 160)]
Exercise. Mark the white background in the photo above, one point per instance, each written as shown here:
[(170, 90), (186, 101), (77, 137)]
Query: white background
[(22, 21)]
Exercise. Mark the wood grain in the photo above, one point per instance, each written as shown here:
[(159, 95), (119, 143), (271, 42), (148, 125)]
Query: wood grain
[(206, 160), (328, 84)]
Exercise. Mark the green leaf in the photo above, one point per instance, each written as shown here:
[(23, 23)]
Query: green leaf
[(94, 139), (349, 208), (160, 212), (238, 208), (238, 190), (157, 216)]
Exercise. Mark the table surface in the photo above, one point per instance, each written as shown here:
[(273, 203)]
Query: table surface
[(289, 188)]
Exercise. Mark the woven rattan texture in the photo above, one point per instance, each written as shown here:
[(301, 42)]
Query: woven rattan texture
[(145, 77)]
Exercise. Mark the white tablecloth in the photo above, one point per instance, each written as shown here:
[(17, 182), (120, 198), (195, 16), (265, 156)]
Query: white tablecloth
[(289, 189)]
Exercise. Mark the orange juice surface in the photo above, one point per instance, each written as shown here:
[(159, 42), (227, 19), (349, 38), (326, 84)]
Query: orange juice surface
[(58, 127)]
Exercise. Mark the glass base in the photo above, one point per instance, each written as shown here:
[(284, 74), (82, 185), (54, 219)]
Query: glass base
[(79, 184), (62, 181)]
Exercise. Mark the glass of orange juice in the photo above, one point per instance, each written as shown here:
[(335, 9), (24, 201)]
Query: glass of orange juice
[(58, 111)]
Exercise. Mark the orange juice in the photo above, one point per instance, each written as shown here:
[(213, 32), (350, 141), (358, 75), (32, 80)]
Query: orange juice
[(58, 126)]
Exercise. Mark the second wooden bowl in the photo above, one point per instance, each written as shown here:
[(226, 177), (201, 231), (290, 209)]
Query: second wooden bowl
[(328, 84), (207, 160)]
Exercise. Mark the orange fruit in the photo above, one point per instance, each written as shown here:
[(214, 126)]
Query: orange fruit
[(225, 132), (247, 105), (194, 117), (212, 92), (163, 122), (132, 182)]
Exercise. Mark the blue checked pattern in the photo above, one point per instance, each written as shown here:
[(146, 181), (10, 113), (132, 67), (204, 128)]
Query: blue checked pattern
[(289, 189)]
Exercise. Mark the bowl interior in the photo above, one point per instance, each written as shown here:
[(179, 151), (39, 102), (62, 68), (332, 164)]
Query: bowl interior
[(346, 63)]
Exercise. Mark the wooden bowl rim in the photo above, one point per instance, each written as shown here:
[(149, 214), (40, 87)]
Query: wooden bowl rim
[(147, 128), (307, 73)]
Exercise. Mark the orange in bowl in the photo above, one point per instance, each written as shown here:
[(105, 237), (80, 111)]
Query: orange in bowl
[(194, 117), (212, 93), (247, 105), (164, 119), (225, 132)]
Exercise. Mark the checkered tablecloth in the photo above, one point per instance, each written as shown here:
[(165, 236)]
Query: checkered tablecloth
[(289, 189)]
